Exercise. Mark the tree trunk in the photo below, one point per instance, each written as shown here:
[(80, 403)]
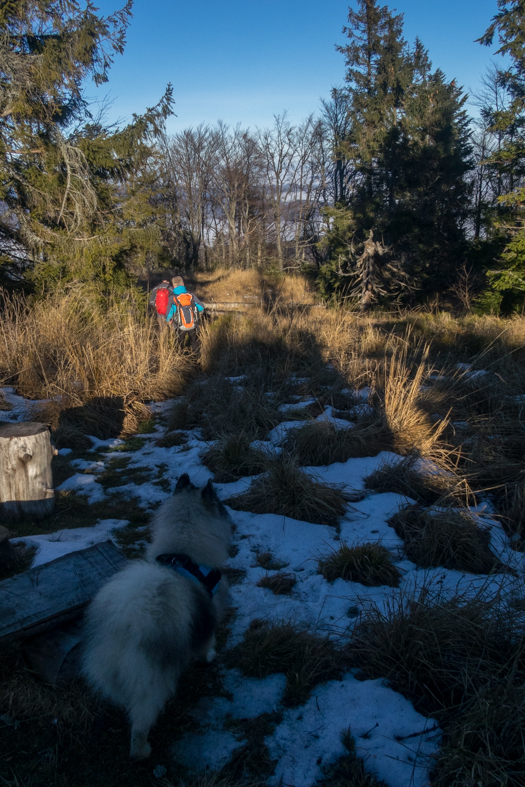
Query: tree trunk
[(26, 483)]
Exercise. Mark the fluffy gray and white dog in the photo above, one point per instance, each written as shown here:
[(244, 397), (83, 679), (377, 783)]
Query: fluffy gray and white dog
[(155, 616)]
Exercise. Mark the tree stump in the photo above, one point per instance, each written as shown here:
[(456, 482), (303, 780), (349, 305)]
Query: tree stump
[(26, 482)]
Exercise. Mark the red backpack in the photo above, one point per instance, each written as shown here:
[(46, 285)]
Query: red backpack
[(161, 301), (185, 311)]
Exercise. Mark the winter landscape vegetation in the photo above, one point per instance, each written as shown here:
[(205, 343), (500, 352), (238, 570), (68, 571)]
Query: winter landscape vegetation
[(357, 398)]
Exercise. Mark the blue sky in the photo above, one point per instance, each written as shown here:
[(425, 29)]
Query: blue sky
[(243, 61)]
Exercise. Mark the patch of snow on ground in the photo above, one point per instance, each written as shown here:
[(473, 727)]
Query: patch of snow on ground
[(53, 545), (309, 737), (83, 484)]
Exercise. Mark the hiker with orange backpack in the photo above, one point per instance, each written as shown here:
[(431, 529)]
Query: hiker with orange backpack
[(160, 300), (183, 311)]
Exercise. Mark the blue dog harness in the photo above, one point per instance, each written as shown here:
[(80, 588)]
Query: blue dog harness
[(184, 565)]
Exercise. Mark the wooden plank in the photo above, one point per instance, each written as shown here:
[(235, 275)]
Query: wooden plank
[(47, 595)]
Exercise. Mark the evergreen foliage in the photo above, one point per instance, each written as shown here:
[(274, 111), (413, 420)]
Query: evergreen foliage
[(506, 292), (408, 144), (78, 196)]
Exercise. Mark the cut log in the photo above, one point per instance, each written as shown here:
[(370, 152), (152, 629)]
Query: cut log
[(51, 594), (26, 481)]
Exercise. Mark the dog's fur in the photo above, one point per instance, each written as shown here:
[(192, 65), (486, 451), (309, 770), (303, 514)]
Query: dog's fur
[(148, 622)]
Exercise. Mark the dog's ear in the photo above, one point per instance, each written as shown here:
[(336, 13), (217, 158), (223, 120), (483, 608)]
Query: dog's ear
[(183, 483), (208, 494)]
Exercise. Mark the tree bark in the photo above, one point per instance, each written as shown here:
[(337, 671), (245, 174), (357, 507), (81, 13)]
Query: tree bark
[(26, 482)]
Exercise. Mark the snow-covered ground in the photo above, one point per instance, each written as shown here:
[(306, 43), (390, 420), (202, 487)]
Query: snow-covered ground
[(308, 739)]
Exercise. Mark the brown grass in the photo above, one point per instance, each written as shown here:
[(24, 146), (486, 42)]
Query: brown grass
[(413, 478), (449, 537), (369, 564), (281, 584), (462, 661), (304, 657), (349, 770), (251, 286), (232, 457), (287, 490), (72, 349), (323, 442), (220, 409)]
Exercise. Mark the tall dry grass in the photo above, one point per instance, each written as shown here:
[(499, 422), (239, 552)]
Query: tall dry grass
[(72, 349)]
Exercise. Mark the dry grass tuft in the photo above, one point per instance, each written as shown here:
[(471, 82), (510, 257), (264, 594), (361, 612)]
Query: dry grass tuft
[(451, 538), (349, 770), (462, 661), (219, 409), (485, 746), (232, 457), (267, 561), (287, 490), (304, 657), (369, 564), (280, 584), (408, 423), (415, 479), (323, 442)]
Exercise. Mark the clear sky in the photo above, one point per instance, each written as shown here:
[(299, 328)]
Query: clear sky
[(243, 61)]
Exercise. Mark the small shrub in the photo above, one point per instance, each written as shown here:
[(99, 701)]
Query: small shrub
[(451, 538), (305, 658), (280, 584), (368, 564), (287, 490), (232, 457)]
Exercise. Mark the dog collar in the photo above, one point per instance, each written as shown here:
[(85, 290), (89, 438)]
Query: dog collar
[(184, 565)]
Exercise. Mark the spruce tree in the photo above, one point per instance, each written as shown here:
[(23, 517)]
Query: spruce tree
[(67, 181), (408, 143), (506, 276)]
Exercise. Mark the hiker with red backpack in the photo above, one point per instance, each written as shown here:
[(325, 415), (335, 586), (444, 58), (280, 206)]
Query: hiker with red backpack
[(183, 311), (160, 299)]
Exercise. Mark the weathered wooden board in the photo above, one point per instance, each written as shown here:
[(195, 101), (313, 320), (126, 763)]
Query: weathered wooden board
[(55, 592)]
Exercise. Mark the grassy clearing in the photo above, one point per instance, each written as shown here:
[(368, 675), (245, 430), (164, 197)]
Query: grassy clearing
[(369, 564), (252, 286), (304, 657), (462, 661), (287, 490), (415, 479), (233, 457), (281, 583), (451, 538)]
